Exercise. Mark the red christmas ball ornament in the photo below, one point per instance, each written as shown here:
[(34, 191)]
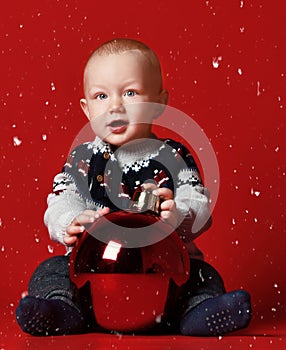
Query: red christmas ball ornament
[(129, 285)]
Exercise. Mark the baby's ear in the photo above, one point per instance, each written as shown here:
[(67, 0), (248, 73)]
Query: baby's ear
[(84, 107), (164, 97), (163, 100)]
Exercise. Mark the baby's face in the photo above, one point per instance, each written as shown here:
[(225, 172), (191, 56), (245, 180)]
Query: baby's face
[(115, 87)]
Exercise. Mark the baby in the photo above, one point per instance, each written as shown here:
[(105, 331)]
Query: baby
[(123, 94)]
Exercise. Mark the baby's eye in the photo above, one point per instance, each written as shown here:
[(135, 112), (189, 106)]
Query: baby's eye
[(130, 93), (101, 96)]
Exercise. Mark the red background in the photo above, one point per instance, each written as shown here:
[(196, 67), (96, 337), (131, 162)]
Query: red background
[(240, 105)]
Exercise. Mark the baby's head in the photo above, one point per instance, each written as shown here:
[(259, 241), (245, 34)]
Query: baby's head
[(122, 72), (146, 57)]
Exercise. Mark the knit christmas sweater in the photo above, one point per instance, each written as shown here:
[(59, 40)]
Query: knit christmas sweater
[(94, 176)]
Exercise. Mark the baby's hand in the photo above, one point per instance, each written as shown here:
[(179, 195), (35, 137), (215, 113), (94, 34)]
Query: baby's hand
[(168, 207), (78, 224)]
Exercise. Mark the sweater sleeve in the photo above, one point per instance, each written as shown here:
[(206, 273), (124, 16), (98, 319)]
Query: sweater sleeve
[(193, 205), (64, 204), (192, 200)]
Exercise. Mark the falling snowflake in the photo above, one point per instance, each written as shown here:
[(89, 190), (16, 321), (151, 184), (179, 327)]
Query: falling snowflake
[(24, 294), (216, 61), (158, 318), (258, 92), (16, 141), (254, 192)]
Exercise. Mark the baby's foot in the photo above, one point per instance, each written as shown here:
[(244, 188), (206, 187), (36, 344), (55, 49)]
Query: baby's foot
[(218, 315), (40, 317)]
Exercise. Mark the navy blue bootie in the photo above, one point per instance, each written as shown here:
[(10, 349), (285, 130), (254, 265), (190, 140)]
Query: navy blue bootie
[(218, 315), (41, 317)]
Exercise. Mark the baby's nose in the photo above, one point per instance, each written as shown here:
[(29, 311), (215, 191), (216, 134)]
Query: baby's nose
[(116, 105)]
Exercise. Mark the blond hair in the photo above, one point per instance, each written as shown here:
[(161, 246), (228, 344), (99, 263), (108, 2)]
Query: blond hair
[(121, 45)]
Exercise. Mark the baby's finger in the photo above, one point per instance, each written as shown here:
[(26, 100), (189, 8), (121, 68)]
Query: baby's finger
[(95, 214), (165, 214), (103, 211), (168, 204), (164, 193), (74, 229), (70, 240), (85, 218), (169, 217)]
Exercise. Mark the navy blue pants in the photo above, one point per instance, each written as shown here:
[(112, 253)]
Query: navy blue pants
[(51, 281)]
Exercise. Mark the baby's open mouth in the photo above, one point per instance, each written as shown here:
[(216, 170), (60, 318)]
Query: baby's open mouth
[(118, 126), (117, 123)]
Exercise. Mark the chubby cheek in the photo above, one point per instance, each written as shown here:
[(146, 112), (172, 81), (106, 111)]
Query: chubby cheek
[(140, 112), (96, 113), (98, 126), (95, 108)]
